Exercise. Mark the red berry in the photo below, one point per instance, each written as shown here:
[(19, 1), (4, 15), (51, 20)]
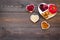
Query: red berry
[(30, 7), (52, 8), (43, 7)]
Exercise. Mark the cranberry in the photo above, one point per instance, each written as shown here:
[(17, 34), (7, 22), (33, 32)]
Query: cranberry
[(30, 7)]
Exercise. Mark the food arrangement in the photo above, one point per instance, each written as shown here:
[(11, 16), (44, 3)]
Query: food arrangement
[(45, 25), (30, 8), (34, 18), (47, 11)]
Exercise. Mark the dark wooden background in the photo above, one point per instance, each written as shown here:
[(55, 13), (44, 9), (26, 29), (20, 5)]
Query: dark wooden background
[(16, 25)]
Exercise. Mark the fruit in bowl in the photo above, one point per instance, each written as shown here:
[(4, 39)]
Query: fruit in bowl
[(52, 8), (45, 25), (43, 7), (47, 10), (30, 8)]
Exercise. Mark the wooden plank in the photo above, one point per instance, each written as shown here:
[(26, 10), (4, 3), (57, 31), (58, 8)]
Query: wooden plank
[(15, 23)]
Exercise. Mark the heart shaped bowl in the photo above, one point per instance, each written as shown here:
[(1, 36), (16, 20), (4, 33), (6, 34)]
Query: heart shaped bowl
[(46, 14)]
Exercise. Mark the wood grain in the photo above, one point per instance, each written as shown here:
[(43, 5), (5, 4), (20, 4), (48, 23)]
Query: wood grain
[(15, 22)]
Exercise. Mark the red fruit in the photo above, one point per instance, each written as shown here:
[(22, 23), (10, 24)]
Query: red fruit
[(52, 8), (43, 7), (30, 7)]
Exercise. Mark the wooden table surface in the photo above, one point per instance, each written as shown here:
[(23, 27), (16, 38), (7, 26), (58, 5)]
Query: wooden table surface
[(15, 21)]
